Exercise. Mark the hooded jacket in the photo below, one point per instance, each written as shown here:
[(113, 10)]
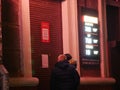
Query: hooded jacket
[(64, 77)]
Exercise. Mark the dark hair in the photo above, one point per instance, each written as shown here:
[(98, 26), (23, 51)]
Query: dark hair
[(68, 56)]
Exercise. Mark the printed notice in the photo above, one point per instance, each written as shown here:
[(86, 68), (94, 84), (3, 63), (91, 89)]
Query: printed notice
[(44, 60), (45, 32)]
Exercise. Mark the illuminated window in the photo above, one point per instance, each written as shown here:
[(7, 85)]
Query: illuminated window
[(95, 52), (95, 29), (95, 41), (88, 52), (88, 29), (89, 46), (90, 19), (88, 40), (89, 24), (88, 35)]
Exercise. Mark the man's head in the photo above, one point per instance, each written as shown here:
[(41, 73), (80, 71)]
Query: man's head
[(68, 56), (61, 57)]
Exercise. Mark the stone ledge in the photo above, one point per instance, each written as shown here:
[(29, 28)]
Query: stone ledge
[(23, 81), (96, 81), (32, 81)]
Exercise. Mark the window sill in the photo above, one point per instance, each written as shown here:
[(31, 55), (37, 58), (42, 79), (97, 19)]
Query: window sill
[(96, 81), (23, 81)]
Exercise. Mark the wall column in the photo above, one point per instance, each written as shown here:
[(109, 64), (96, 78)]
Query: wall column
[(25, 38), (103, 38), (25, 49), (70, 28)]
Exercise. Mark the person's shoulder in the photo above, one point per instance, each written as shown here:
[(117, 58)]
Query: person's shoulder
[(72, 61), (72, 66)]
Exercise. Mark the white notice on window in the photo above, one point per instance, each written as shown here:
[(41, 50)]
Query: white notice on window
[(44, 60)]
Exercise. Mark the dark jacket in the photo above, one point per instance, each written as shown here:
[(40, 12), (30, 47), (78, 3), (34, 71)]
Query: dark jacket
[(64, 77)]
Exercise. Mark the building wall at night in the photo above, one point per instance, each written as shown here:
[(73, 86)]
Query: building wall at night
[(29, 56)]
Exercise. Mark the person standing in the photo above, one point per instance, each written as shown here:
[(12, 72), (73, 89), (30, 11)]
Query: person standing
[(64, 76)]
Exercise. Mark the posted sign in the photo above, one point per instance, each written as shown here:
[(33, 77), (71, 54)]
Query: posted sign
[(45, 32)]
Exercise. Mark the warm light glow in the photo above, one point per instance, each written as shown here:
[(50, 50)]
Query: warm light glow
[(88, 24), (95, 52), (89, 46), (88, 29), (88, 52), (88, 40), (95, 29), (90, 19), (95, 41), (88, 35)]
